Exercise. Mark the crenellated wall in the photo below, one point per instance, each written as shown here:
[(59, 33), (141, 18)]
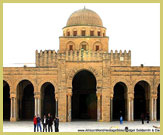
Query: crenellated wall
[(49, 58), (120, 58)]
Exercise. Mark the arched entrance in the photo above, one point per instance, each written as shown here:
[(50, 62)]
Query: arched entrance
[(120, 101), (84, 101), (141, 99), (158, 102), (25, 100), (6, 101), (48, 104)]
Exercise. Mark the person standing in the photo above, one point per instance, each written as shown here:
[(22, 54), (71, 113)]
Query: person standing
[(39, 124), (35, 123), (49, 122), (147, 117), (56, 123), (142, 118), (44, 123), (121, 119)]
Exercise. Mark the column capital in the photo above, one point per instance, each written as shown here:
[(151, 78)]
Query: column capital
[(69, 91), (111, 95), (130, 95), (36, 94), (98, 94), (12, 94), (154, 96), (56, 96), (69, 94)]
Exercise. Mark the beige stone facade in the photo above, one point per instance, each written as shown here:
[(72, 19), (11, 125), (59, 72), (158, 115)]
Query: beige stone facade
[(84, 53)]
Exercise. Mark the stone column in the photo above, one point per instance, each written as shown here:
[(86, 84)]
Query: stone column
[(69, 106), (37, 103), (111, 108), (129, 110), (56, 105), (98, 106), (39, 106), (13, 107), (35, 106), (132, 109), (130, 106), (154, 107)]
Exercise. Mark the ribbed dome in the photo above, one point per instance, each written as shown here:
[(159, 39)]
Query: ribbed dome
[(84, 17)]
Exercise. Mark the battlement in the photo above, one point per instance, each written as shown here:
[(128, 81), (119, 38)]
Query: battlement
[(120, 58), (49, 58)]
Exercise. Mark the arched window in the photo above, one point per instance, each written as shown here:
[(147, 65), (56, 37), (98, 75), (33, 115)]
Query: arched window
[(84, 45), (75, 33), (83, 32), (97, 47), (91, 33), (71, 47), (99, 33), (68, 33)]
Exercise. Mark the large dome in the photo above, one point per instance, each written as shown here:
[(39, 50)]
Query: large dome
[(84, 17)]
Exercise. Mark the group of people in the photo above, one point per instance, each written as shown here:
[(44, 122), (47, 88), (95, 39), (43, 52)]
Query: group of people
[(47, 123), (143, 117)]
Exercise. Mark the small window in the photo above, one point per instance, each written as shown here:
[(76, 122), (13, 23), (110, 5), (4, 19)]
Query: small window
[(99, 33), (103, 34), (71, 47), (97, 48), (83, 32), (84, 47), (75, 33), (68, 33), (91, 33)]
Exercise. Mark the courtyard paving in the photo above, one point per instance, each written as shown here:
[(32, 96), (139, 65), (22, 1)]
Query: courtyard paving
[(86, 126)]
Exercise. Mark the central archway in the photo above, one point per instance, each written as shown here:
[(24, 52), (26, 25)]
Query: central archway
[(84, 101)]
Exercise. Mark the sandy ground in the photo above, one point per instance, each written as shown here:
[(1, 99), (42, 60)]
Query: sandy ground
[(85, 126)]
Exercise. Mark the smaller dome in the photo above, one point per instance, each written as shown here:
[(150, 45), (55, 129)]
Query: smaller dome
[(84, 17)]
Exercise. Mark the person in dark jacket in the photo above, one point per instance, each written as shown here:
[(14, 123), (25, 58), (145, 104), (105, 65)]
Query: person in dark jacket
[(35, 123), (44, 123), (49, 122), (142, 118), (39, 123), (56, 123), (147, 117)]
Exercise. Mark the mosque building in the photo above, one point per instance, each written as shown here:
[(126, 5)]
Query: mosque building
[(83, 80)]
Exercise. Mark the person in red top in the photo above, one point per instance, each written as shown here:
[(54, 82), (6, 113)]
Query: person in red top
[(35, 122)]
